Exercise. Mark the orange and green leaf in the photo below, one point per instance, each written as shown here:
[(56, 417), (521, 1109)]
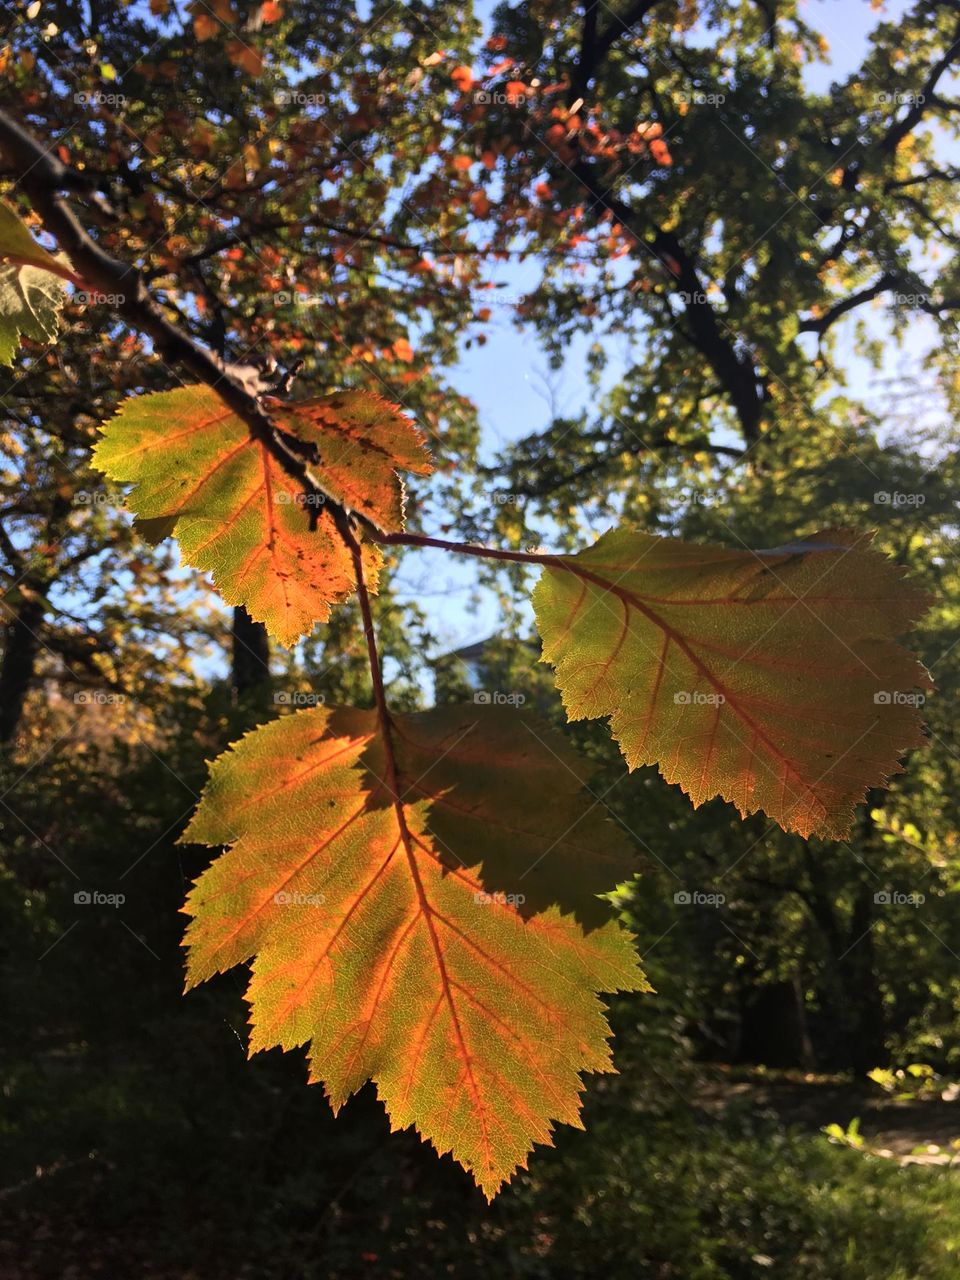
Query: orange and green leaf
[(235, 511), (364, 441), (770, 678), (445, 940)]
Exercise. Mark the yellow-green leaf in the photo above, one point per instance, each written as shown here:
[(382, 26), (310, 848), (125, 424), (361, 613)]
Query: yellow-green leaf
[(771, 678), (235, 511), (31, 287)]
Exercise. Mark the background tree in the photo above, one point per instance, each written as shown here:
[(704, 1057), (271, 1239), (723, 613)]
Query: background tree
[(301, 183)]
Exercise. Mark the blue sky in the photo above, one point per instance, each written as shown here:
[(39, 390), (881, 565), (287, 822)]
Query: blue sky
[(508, 376)]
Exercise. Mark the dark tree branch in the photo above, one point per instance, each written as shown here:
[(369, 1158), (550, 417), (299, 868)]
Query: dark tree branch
[(43, 177), (899, 130), (820, 324)]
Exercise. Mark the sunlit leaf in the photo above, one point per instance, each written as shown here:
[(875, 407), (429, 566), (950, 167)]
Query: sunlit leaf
[(31, 287), (448, 946), (771, 678), (237, 514)]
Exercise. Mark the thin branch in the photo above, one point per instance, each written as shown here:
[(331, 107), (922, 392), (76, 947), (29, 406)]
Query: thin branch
[(43, 176)]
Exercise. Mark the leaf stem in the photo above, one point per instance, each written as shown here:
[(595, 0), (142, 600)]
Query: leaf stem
[(469, 548), (376, 673)]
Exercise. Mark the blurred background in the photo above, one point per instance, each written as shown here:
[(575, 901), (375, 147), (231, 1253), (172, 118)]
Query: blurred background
[(689, 266)]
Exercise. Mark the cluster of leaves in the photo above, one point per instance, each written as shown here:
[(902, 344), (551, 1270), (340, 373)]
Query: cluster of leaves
[(398, 888), (750, 675)]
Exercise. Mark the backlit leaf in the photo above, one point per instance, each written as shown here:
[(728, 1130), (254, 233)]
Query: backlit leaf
[(363, 440), (235, 511), (449, 946), (770, 678), (31, 287)]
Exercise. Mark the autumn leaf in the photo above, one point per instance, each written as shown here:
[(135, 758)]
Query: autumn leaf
[(462, 77), (363, 440), (770, 678), (31, 286), (235, 511), (245, 56), (205, 27), (444, 940)]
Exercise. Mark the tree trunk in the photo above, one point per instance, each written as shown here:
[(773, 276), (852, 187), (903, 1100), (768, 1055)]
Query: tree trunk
[(21, 646), (861, 989), (250, 671), (773, 1028)]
